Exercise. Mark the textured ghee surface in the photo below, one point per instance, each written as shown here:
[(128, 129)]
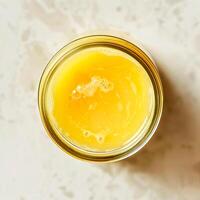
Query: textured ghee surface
[(100, 98)]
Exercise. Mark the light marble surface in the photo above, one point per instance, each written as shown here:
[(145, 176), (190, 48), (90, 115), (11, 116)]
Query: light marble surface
[(32, 167)]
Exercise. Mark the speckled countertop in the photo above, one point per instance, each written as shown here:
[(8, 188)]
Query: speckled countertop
[(32, 167)]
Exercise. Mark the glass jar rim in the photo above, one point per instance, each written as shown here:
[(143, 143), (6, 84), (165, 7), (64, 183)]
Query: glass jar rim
[(132, 49)]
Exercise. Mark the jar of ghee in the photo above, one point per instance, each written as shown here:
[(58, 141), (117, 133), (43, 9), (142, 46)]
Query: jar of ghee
[(100, 98)]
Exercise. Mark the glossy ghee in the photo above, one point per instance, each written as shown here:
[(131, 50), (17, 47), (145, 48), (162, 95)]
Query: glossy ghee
[(100, 101)]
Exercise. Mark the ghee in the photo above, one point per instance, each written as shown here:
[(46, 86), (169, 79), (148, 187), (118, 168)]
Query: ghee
[(100, 101)]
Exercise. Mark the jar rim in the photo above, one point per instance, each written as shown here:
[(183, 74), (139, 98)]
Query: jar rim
[(132, 49)]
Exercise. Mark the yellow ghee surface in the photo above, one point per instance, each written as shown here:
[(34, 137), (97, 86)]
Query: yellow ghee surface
[(100, 98)]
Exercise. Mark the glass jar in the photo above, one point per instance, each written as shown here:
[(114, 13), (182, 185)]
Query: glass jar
[(130, 48)]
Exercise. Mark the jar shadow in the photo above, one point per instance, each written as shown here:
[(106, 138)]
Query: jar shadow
[(172, 155)]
